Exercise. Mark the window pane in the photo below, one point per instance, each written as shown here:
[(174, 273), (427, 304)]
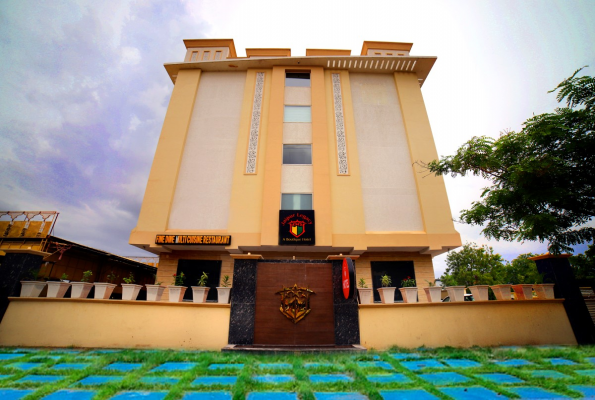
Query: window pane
[(297, 114), (296, 201), (206, 55), (301, 79), (297, 154)]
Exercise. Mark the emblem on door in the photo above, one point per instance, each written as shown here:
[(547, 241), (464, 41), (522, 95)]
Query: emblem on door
[(295, 302)]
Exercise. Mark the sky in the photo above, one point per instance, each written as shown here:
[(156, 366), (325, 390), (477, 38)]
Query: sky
[(83, 91)]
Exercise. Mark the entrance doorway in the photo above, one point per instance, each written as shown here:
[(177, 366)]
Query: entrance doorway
[(397, 270), (272, 327), (193, 269)]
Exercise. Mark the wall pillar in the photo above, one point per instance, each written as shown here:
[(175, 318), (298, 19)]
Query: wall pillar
[(243, 302), (346, 311), (13, 269)]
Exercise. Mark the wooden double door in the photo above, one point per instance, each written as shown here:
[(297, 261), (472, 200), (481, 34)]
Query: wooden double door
[(272, 327)]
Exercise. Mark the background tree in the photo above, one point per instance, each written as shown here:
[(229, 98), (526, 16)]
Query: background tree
[(584, 264), (522, 270), (542, 177), (473, 265)]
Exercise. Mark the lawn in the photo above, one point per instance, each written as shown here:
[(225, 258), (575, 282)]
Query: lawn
[(446, 373)]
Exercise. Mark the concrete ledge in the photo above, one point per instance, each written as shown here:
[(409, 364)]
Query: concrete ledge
[(465, 324), (47, 322)]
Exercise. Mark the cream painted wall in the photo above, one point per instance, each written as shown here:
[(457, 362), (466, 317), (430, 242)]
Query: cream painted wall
[(388, 185), (298, 96), (296, 179), (297, 133), (203, 189)]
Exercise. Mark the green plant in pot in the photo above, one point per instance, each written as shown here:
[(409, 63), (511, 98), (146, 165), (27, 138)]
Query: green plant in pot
[(155, 291), (387, 292), (433, 292), (31, 287), (129, 289), (177, 290), (365, 293), (408, 290), (58, 288), (200, 292), (103, 290), (80, 290), (224, 290)]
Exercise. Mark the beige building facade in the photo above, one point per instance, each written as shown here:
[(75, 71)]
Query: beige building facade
[(339, 134)]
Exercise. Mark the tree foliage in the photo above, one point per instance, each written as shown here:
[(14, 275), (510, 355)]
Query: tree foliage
[(542, 177), (584, 264), (522, 270), (473, 265)]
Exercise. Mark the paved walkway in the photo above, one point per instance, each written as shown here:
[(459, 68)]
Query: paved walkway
[(532, 373)]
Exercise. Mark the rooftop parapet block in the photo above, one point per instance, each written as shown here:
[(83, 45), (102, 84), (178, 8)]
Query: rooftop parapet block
[(254, 53), (209, 49), (327, 52), (371, 48)]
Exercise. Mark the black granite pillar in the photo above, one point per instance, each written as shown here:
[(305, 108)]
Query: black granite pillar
[(558, 270), (243, 302), (14, 268), (346, 311)]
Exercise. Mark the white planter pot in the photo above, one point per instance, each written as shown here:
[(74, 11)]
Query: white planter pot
[(502, 292), (57, 289), (130, 291), (387, 295), (456, 293), (409, 294), (31, 288), (434, 294), (523, 291), (480, 292), (223, 294), (154, 292), (365, 295), (544, 291), (199, 294), (80, 290), (103, 290), (176, 293)]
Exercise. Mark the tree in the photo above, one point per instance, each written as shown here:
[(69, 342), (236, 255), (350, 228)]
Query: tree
[(522, 270), (584, 264), (542, 178), (473, 265)]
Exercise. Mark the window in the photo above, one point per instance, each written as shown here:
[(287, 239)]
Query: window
[(217, 55), (297, 154), (299, 79), (297, 114), (194, 56), (294, 201), (206, 55)]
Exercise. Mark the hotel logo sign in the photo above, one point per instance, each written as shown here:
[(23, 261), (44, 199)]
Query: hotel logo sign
[(295, 302), (218, 240), (296, 227)]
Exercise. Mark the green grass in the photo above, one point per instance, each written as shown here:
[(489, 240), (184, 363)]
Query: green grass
[(345, 363)]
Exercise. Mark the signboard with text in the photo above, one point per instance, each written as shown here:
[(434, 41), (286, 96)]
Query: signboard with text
[(296, 227), (222, 240)]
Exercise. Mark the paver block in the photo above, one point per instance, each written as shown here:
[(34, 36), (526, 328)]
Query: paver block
[(587, 391), (330, 378), (462, 363), (159, 380), (99, 380), (386, 378), (590, 359), (41, 378), (404, 356), (225, 366), (207, 396), (106, 351), (123, 367), (501, 378), (586, 372), (375, 364), (5, 376), (58, 367), (174, 366), (69, 351), (421, 364), (274, 378), (513, 363), (71, 395), (548, 374), (275, 366), (140, 396), (25, 366), (25, 350), (531, 392), (409, 394), (272, 396), (14, 394), (215, 380), (559, 361), (10, 356), (471, 393), (339, 396), (321, 365), (444, 378)]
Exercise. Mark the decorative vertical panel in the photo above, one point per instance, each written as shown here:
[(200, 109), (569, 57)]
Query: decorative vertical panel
[(340, 126), (255, 124)]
